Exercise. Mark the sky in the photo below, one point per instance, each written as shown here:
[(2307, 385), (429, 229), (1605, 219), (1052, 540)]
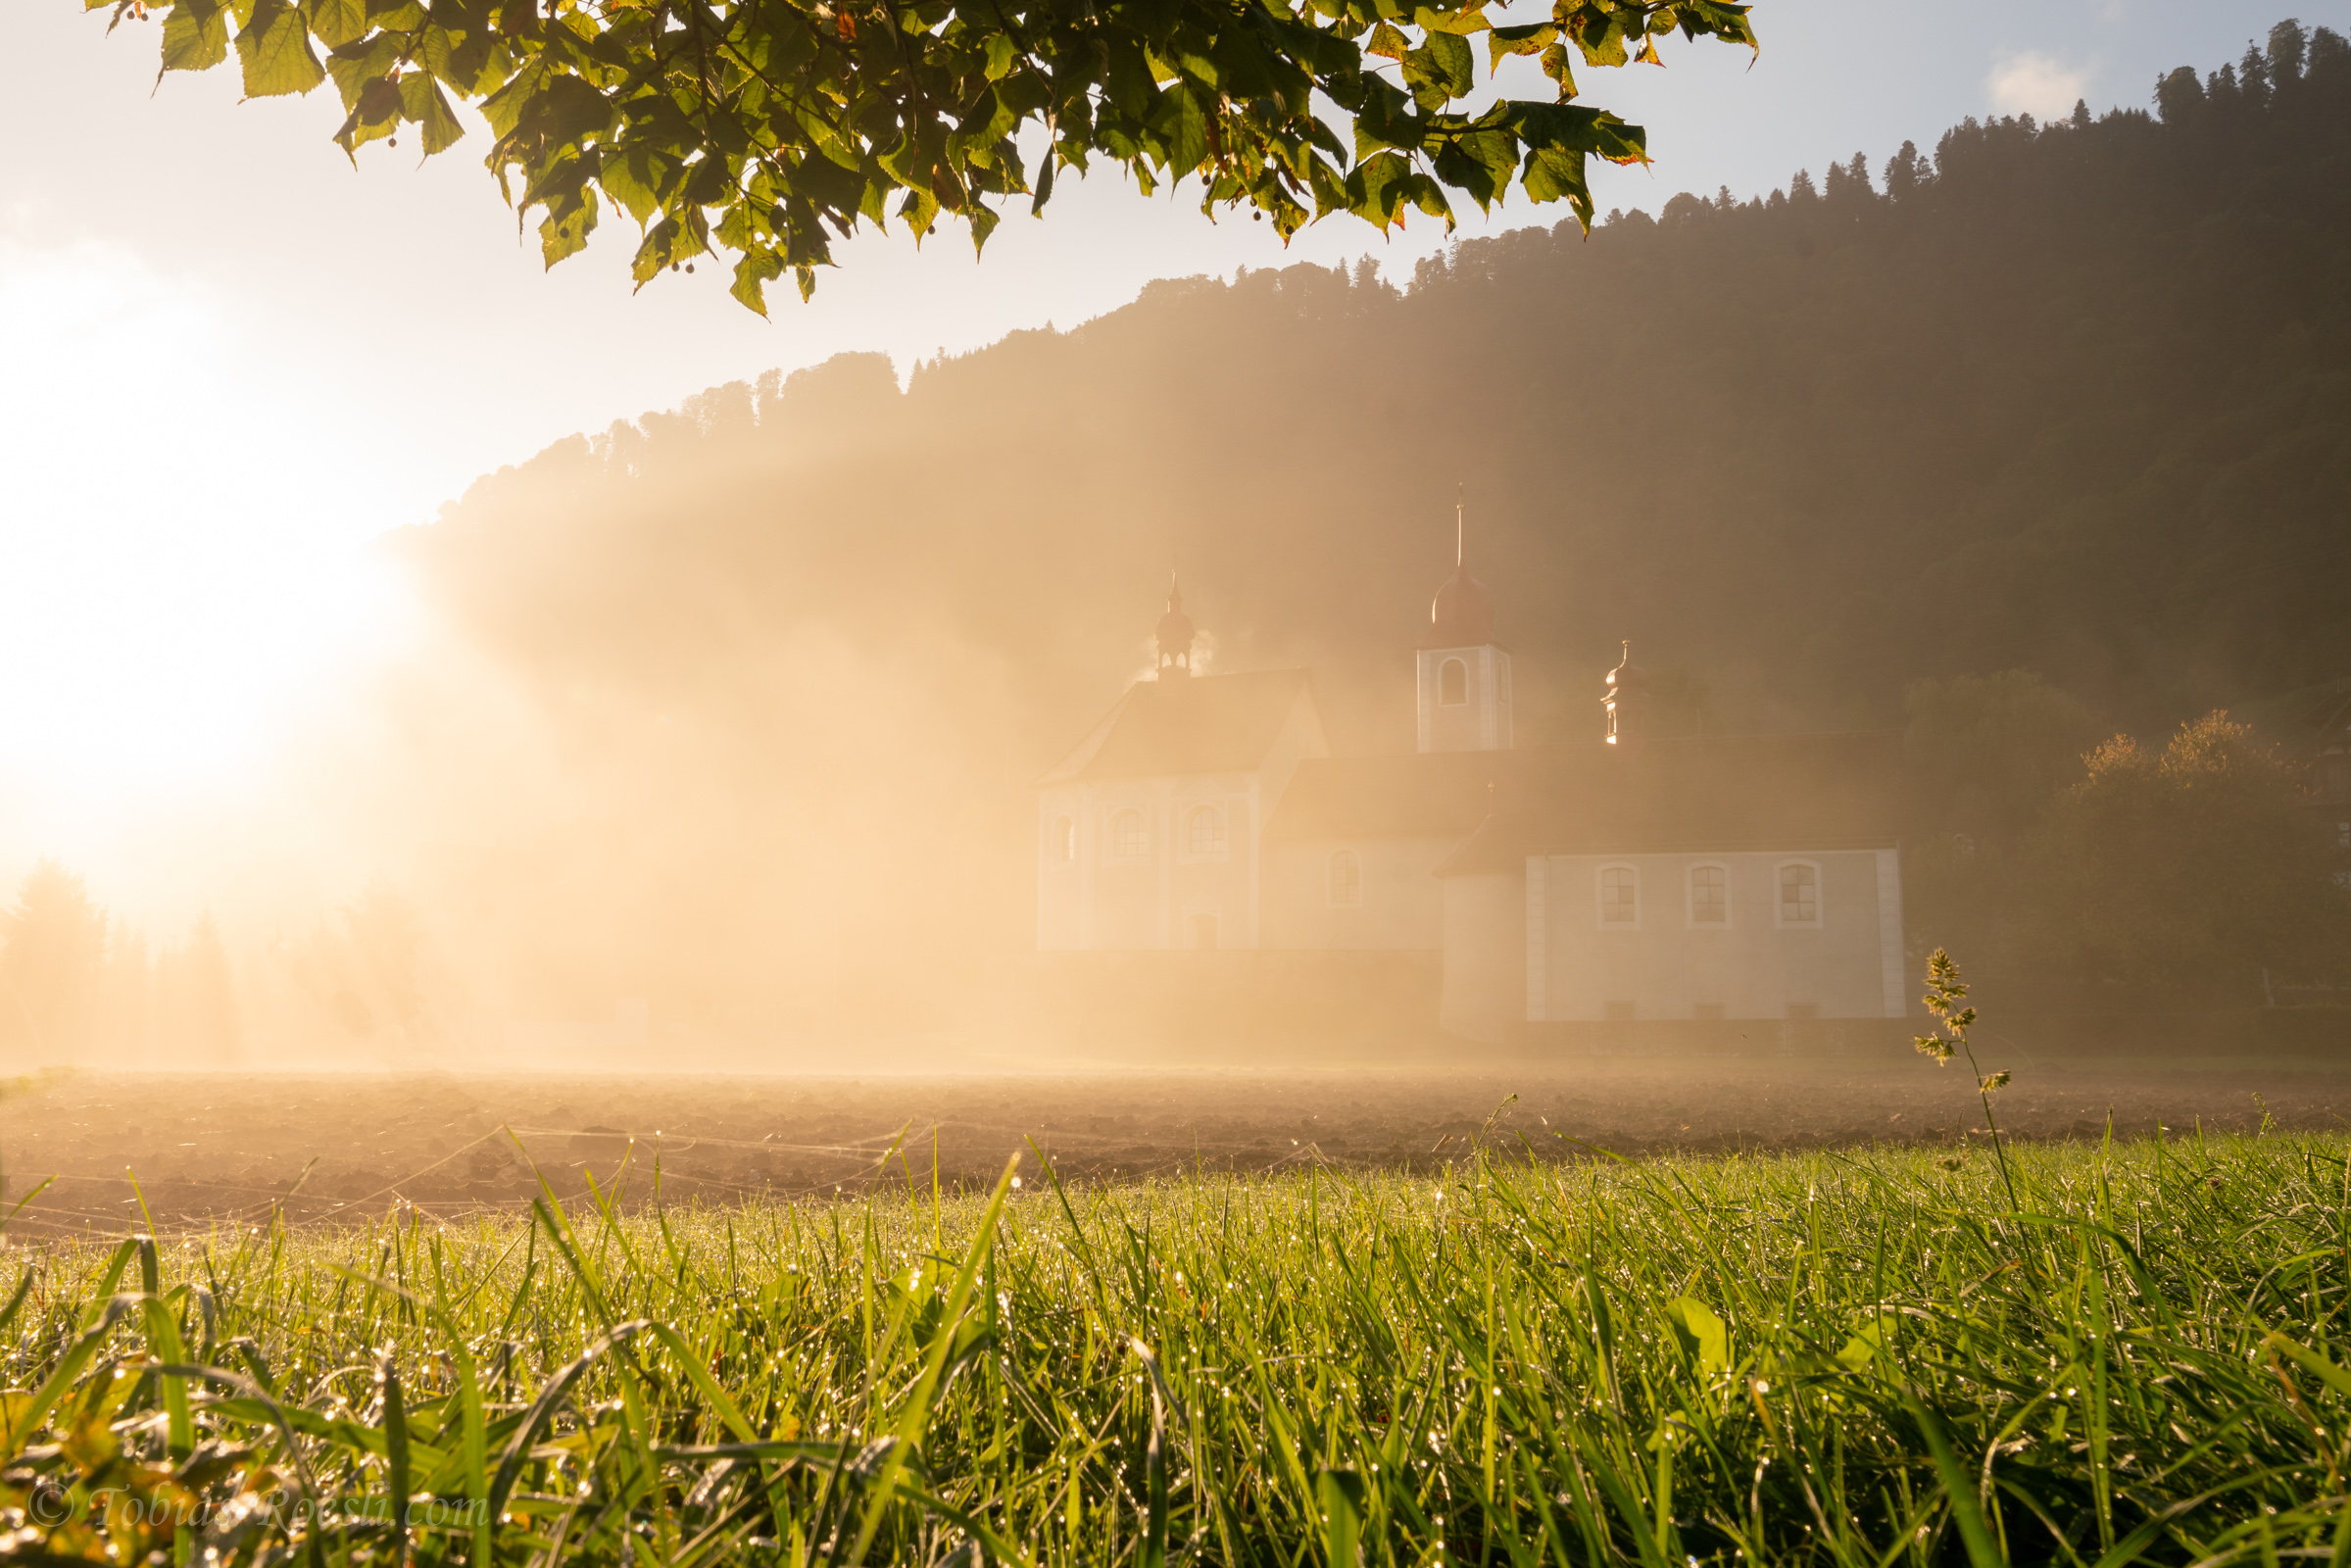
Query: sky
[(228, 360)]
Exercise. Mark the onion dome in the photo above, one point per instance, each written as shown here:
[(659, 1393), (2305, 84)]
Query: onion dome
[(1175, 633), (1627, 679), (1461, 615), (1626, 703)]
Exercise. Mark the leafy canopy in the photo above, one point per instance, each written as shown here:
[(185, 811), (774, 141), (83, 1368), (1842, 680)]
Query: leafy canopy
[(761, 128)]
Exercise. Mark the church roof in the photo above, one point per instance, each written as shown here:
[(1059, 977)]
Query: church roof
[(1698, 795), (1195, 724), (1418, 795)]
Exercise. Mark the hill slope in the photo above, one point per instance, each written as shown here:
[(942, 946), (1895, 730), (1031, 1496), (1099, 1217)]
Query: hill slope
[(2067, 397)]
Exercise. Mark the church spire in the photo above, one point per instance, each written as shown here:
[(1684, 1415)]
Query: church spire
[(1175, 634), (1464, 674), (1461, 615)]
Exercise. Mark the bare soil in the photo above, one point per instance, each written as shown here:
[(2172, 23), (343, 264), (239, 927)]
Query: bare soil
[(207, 1149)]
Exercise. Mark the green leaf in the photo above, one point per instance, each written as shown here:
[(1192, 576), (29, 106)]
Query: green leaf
[(1526, 41), (339, 21), (355, 65), (275, 48), (195, 36), (1478, 160), (1463, 23), (421, 105), (374, 114), (567, 226), (636, 179), (1440, 71), (1001, 53), (1182, 126), (983, 221), (1375, 191), (753, 273), (1128, 80), (1704, 1336), (1045, 183)]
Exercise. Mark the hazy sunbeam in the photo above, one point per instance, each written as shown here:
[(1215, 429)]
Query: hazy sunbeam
[(187, 536)]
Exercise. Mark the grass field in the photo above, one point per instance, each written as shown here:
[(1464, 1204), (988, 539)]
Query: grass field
[(1870, 1359)]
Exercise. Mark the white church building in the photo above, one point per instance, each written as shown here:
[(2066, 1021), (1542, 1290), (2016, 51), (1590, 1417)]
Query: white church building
[(1619, 880)]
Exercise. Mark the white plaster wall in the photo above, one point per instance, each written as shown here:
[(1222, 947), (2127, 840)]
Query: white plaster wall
[(1403, 901), (1301, 737), (1753, 967), (1107, 903), (1484, 924)]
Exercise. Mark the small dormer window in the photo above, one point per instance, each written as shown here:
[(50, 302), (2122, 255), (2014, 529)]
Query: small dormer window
[(1452, 683)]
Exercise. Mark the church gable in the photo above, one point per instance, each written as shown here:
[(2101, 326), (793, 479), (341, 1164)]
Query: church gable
[(1200, 724)]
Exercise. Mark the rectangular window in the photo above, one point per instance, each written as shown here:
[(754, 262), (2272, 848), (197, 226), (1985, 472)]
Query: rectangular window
[(1707, 1010), (1709, 896), (1207, 832), (1130, 836), (2342, 835), (1799, 895), (1620, 894), (1620, 1013), (1804, 1010)]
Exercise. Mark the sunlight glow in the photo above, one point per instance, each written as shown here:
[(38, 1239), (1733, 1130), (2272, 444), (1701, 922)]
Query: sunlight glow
[(184, 543)]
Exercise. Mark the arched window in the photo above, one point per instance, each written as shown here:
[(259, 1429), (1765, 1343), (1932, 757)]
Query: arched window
[(1207, 831), (1130, 838), (1620, 895), (1709, 896), (1800, 894), (1347, 879), (1453, 682), (1065, 839)]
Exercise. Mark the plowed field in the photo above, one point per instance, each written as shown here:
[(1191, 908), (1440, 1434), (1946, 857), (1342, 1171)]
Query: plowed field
[(227, 1147)]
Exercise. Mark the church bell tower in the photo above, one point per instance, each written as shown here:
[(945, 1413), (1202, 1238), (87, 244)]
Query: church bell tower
[(1464, 673)]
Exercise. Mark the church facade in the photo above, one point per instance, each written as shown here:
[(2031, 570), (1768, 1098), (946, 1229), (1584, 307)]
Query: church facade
[(1618, 879)]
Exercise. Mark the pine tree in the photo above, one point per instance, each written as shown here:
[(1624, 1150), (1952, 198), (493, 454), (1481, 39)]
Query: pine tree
[(52, 945)]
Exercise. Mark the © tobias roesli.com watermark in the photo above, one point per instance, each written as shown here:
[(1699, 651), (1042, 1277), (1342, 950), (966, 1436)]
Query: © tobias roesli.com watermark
[(49, 1507)]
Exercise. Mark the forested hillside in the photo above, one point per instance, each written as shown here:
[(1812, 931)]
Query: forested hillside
[(2068, 397)]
